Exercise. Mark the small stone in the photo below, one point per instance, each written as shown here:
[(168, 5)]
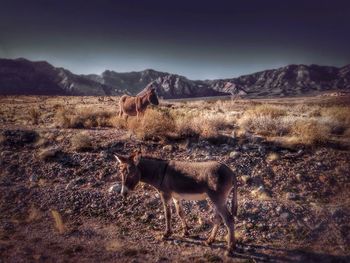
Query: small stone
[(115, 188), (284, 216), (298, 177), (291, 196), (33, 178), (168, 148), (245, 178), (234, 154), (279, 209), (322, 178)]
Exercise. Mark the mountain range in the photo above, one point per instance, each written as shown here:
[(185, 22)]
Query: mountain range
[(24, 77)]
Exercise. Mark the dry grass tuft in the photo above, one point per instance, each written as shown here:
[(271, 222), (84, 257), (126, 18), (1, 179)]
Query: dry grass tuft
[(34, 116), (303, 124), (310, 132), (48, 153), (81, 142), (58, 221), (154, 124), (84, 118)]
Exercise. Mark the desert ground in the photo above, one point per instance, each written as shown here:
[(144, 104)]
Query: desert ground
[(59, 181)]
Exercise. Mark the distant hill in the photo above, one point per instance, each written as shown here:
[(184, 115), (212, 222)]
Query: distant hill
[(24, 77), (292, 80), (169, 86)]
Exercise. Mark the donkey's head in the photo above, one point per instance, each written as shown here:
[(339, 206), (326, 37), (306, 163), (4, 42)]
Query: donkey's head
[(152, 95), (130, 173)]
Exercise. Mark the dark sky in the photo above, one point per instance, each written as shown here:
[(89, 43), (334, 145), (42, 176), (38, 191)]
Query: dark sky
[(198, 39)]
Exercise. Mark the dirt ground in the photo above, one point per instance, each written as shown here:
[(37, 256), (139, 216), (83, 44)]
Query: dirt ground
[(64, 205)]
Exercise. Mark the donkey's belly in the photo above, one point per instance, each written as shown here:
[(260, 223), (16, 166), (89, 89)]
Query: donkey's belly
[(189, 197)]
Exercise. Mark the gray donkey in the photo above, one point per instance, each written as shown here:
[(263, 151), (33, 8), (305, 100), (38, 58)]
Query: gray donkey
[(184, 181)]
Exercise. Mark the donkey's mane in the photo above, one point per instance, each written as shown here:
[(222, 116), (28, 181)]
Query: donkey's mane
[(151, 158)]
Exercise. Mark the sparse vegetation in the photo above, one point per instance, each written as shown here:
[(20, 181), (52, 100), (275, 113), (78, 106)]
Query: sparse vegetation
[(288, 196), (48, 153), (81, 142), (310, 125), (34, 115), (86, 117)]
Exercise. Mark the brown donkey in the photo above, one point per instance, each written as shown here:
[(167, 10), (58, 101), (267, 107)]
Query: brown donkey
[(184, 180), (134, 106)]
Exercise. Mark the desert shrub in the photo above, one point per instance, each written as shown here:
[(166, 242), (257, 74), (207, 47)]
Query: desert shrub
[(338, 113), (81, 142), (48, 153), (271, 111), (310, 131), (118, 122), (265, 120), (63, 117), (154, 124), (84, 118), (204, 124), (34, 115), (265, 125)]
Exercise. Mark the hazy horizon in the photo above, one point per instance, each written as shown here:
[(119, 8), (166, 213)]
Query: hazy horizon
[(203, 40)]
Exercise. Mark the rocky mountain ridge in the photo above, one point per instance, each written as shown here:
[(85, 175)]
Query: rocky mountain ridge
[(24, 77)]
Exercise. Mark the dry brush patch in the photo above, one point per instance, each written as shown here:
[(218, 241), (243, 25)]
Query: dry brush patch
[(86, 117), (303, 124)]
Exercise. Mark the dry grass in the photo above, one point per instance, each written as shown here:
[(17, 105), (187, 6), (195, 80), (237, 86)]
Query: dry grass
[(59, 225), (310, 132), (81, 142), (154, 124), (48, 153), (87, 117), (34, 116), (303, 124)]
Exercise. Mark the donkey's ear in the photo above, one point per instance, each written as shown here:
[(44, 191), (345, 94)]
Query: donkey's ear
[(120, 158)]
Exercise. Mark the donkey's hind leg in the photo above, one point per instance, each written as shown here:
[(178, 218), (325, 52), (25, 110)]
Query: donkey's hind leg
[(181, 214), (216, 221), (229, 222)]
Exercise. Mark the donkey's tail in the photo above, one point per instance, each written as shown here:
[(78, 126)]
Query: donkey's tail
[(234, 201)]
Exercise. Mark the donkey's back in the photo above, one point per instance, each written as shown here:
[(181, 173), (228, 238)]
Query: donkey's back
[(198, 177)]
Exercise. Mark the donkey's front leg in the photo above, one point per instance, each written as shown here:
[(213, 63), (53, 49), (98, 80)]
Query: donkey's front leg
[(167, 213), (181, 214)]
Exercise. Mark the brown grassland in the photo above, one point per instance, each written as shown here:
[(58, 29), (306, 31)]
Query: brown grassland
[(59, 181)]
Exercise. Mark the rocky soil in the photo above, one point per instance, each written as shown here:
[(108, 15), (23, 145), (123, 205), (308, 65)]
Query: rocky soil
[(62, 205)]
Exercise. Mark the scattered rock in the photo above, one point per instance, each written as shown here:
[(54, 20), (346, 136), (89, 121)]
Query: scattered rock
[(33, 178), (299, 177), (285, 216), (115, 188), (291, 196), (168, 148), (246, 179), (234, 154), (272, 157)]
